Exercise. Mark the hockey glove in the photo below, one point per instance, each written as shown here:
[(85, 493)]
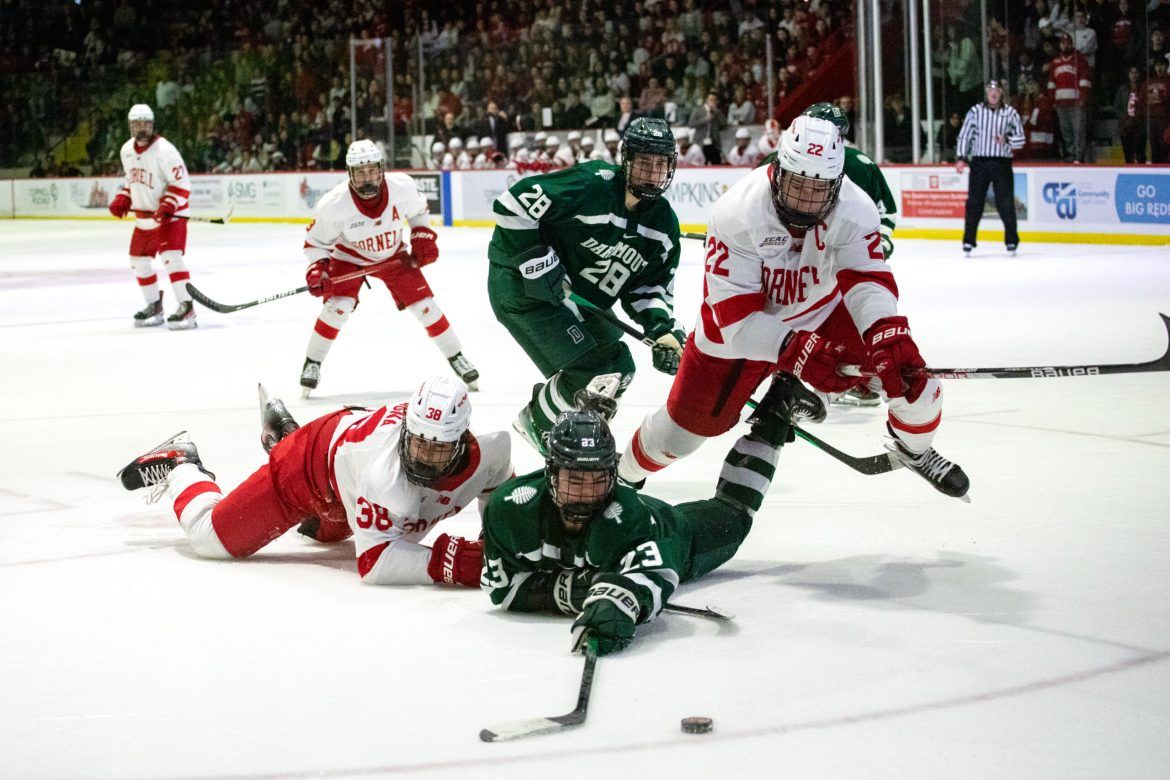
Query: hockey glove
[(456, 561), (544, 277), (570, 589), (165, 211), (120, 205), (424, 246), (893, 356), (814, 360), (887, 245), (668, 348), (317, 277), (610, 613)]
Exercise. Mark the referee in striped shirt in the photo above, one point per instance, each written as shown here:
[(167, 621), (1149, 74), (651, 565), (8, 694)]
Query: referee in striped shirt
[(989, 134)]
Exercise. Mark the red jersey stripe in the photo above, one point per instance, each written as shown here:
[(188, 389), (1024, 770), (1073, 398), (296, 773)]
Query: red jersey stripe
[(368, 559), (734, 309), (198, 489), (847, 280)]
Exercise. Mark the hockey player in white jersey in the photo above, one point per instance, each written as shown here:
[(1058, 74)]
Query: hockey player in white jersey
[(742, 154), (796, 281), (374, 218), (466, 159), (387, 477), (156, 190), (770, 140), (689, 155)]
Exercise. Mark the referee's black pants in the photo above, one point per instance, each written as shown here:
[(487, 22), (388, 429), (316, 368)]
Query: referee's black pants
[(997, 171)]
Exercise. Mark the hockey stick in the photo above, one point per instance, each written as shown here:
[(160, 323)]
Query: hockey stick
[(708, 612), (213, 220), (228, 308), (1040, 372), (534, 726), (874, 464)]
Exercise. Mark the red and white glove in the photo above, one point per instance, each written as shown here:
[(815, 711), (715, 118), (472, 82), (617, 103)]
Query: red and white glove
[(456, 561), (317, 277), (893, 356), (424, 246), (120, 205), (166, 210), (814, 359)]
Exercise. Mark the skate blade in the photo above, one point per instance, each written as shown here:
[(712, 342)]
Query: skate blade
[(306, 391), (150, 323), (183, 325), (473, 386)]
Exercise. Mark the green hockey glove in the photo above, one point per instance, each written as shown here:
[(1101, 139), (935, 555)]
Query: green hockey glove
[(610, 614), (544, 277)]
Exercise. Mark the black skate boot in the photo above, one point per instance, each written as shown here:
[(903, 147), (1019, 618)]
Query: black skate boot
[(465, 371), (150, 316), (152, 469), (310, 377), (947, 478), (275, 420), (786, 403), (183, 318)]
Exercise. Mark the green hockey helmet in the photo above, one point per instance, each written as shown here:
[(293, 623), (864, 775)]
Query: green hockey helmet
[(649, 157), (581, 467), (831, 112)]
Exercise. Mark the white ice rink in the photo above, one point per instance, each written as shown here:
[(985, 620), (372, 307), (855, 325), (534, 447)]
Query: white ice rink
[(882, 630)]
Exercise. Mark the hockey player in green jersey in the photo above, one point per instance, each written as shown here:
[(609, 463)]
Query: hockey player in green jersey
[(860, 170), (571, 539), (605, 234)]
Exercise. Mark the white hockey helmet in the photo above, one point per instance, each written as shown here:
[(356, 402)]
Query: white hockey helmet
[(455, 143), (473, 144), (367, 170), (434, 438), (438, 147), (487, 142), (517, 142), (540, 138), (743, 133), (574, 135), (587, 142), (611, 136), (140, 112), (772, 129), (682, 134), (552, 140), (807, 173)]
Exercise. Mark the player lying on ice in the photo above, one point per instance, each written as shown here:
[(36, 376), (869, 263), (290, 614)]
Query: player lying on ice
[(796, 280), (572, 539), (385, 476), (606, 233)]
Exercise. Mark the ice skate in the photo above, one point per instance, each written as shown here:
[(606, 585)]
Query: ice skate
[(464, 370), (183, 317), (1011, 249), (310, 377), (526, 426), (858, 396), (152, 469), (275, 420), (787, 402), (946, 477), (967, 249), (600, 395), (150, 316)]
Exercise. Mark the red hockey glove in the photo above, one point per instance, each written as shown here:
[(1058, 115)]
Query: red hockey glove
[(424, 246), (120, 205), (166, 210), (317, 277), (456, 561), (892, 357), (814, 360)]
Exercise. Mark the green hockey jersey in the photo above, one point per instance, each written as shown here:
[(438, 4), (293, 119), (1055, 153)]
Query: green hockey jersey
[(524, 545), (609, 252)]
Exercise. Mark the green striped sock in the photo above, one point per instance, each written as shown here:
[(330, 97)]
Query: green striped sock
[(747, 474), (548, 404)]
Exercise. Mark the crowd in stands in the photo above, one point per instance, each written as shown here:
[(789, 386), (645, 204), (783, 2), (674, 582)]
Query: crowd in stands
[(245, 85)]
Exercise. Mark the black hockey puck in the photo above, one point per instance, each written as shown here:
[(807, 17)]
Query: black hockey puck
[(695, 725)]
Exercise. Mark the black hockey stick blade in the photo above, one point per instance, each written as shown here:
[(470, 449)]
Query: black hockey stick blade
[(874, 464), (709, 611), (228, 308), (534, 726)]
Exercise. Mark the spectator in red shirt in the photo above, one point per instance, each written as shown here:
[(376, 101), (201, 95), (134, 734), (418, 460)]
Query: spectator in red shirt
[(1130, 108), (1156, 92), (1069, 84)]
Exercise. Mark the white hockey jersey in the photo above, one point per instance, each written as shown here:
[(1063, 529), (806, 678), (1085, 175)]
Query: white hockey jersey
[(763, 281), (748, 158), (152, 174), (767, 144), (693, 157), (389, 515), (364, 232)]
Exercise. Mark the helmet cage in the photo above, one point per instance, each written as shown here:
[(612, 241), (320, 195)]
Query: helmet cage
[(425, 461), (580, 504), (802, 201), (640, 172), (367, 179)]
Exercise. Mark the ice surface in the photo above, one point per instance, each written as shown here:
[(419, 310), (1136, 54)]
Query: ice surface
[(882, 630)]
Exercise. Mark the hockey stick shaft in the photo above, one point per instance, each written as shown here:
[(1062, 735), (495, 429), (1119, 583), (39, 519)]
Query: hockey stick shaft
[(874, 464), (535, 726), (213, 220), (707, 612), (228, 308)]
